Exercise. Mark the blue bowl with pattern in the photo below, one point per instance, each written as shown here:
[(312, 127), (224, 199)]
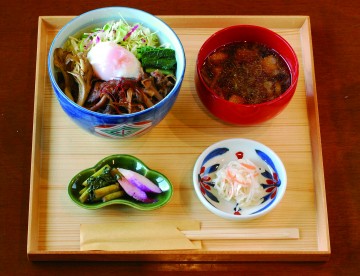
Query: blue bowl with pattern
[(239, 179), (123, 125)]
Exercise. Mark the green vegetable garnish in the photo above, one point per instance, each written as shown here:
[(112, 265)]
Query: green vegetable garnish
[(97, 182), (152, 58)]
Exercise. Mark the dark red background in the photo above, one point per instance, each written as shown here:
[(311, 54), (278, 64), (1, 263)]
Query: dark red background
[(336, 43)]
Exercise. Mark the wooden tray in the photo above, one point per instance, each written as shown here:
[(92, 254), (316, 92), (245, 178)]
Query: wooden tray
[(60, 150)]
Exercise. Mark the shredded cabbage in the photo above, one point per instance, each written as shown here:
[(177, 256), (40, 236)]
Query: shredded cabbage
[(129, 36), (238, 180)]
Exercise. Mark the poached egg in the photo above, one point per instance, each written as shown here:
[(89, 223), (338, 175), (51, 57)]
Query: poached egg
[(112, 61)]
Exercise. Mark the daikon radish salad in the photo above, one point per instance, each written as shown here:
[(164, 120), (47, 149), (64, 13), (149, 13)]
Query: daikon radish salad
[(238, 180)]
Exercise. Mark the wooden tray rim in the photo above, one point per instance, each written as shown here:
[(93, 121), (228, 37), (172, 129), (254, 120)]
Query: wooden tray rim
[(323, 252)]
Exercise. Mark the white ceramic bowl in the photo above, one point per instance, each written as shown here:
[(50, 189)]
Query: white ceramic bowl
[(272, 177)]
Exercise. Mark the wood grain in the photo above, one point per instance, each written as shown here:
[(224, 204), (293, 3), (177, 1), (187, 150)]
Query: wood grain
[(246, 234), (61, 149)]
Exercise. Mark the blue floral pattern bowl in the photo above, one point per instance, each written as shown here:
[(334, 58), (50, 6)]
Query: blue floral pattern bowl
[(272, 177), (125, 125)]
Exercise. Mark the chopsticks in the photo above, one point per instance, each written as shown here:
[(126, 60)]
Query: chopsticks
[(247, 233)]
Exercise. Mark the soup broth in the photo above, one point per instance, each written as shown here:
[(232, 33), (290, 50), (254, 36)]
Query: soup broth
[(246, 73)]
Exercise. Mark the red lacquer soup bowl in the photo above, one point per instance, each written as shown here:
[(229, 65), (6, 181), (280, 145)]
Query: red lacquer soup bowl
[(245, 113)]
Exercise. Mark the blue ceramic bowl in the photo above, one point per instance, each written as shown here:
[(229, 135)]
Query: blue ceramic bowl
[(117, 126), (272, 178)]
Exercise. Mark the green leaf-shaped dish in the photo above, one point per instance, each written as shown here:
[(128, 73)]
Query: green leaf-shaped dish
[(127, 162)]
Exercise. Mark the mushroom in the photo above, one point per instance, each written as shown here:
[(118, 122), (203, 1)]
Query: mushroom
[(81, 70), (59, 62), (150, 88), (83, 73)]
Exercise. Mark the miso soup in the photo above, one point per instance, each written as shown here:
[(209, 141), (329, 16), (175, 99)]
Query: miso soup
[(246, 73)]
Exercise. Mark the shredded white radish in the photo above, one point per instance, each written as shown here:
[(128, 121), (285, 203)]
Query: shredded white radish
[(238, 180)]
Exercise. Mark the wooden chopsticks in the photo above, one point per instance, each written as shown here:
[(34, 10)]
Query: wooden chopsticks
[(247, 233)]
